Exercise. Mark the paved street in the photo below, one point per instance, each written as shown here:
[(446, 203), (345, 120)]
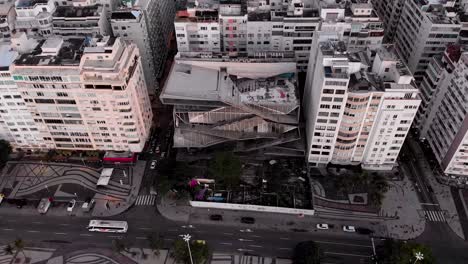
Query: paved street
[(59, 231)]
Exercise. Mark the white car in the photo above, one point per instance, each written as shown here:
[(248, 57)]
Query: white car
[(71, 205), (322, 226), (153, 165), (350, 229), (1, 197)]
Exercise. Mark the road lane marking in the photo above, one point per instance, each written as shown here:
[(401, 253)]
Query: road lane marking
[(86, 235), (284, 238), (33, 231), (229, 234), (347, 254), (255, 236), (144, 228), (246, 240), (7, 229), (140, 237), (342, 244), (64, 224), (169, 239), (225, 243), (285, 248), (60, 233), (255, 246)]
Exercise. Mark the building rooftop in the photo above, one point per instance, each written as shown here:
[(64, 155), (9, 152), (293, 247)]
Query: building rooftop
[(126, 15), (68, 53), (7, 56), (77, 11), (30, 3)]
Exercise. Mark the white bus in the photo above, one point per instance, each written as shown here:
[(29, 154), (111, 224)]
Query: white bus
[(108, 226)]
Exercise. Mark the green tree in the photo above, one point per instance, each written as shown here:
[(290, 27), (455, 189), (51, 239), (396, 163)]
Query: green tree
[(5, 150), (307, 252), (155, 243), (399, 252), (199, 249), (18, 244), (226, 168), (119, 246)]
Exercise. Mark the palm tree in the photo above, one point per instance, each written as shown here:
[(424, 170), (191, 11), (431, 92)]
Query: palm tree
[(19, 246)]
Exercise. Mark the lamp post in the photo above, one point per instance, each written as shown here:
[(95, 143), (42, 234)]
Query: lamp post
[(186, 238), (418, 256)]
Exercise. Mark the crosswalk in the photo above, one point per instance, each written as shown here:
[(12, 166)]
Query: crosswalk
[(145, 200), (5, 258), (435, 216)]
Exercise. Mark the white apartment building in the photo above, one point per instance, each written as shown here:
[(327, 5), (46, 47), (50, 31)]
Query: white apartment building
[(445, 123), (425, 30), (17, 125), (357, 112), (85, 96), (80, 21), (7, 19), (252, 29), (34, 16)]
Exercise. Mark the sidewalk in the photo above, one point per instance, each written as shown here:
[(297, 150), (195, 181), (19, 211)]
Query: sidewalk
[(442, 192)]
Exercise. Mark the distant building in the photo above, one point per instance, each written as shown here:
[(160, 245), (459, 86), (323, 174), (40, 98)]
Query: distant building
[(390, 12), (358, 110), (84, 95), (253, 107), (34, 16), (7, 19), (80, 21)]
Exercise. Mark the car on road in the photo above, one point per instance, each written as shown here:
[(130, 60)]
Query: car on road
[(203, 242), (71, 205), (216, 217), (88, 205), (153, 164), (248, 220), (364, 231), (163, 155), (323, 226), (348, 228), (44, 205), (157, 150), (1, 197), (20, 203)]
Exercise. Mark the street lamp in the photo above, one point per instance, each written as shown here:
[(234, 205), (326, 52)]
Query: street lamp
[(418, 256), (186, 238)]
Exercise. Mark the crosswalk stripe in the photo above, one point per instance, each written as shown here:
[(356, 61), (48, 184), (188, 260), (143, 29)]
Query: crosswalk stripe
[(145, 200), (435, 216)]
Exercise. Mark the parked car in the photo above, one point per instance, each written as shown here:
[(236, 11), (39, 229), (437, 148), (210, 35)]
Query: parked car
[(248, 220), (163, 155), (44, 205), (71, 205), (1, 197), (20, 203), (88, 205), (364, 231), (350, 229), (153, 164), (216, 217), (322, 226)]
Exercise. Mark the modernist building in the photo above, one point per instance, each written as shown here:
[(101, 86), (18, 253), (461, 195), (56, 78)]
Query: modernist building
[(84, 95), (252, 107), (80, 21), (425, 29), (251, 29), (358, 111), (444, 124), (34, 16)]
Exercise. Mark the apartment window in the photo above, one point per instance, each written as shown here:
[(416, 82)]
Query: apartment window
[(328, 91)]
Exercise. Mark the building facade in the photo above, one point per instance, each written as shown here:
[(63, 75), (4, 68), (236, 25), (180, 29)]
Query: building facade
[(80, 21), (34, 16), (358, 111), (85, 96)]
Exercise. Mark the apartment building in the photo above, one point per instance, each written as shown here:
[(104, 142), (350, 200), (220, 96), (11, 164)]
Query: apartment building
[(7, 19), (353, 22), (390, 12), (251, 29), (249, 107), (85, 95), (130, 25), (358, 111), (80, 21), (17, 125), (445, 122), (425, 29), (34, 16), (437, 75)]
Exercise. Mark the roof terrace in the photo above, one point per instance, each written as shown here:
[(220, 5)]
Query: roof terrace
[(77, 11)]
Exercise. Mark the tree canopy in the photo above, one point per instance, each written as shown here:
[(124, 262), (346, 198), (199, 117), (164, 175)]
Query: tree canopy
[(400, 252), (307, 252), (226, 168), (199, 249)]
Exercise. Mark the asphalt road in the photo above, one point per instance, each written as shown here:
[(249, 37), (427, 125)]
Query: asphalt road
[(144, 220)]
